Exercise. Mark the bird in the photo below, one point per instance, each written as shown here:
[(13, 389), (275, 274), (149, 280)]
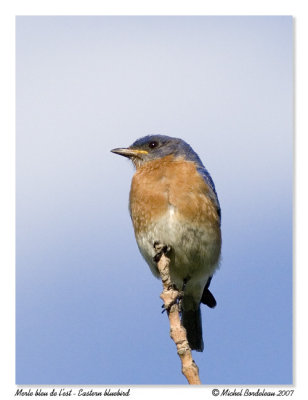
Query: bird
[(173, 201)]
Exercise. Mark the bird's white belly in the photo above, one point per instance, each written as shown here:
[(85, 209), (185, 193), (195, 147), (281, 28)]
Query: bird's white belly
[(195, 247)]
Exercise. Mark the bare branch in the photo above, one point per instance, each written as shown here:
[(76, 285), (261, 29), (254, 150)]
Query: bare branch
[(169, 296)]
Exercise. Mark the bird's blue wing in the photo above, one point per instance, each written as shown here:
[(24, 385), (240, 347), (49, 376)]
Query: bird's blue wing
[(209, 181)]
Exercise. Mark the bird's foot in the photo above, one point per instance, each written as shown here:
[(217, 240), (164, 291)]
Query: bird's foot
[(177, 300), (160, 249)]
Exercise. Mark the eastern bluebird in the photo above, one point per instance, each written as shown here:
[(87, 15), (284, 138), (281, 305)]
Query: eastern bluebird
[(173, 201)]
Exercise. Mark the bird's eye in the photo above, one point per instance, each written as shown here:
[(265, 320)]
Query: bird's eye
[(153, 144)]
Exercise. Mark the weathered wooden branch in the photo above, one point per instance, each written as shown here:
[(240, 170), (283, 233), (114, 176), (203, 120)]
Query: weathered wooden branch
[(169, 296)]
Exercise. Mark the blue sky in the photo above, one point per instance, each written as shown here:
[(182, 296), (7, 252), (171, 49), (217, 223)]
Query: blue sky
[(87, 306)]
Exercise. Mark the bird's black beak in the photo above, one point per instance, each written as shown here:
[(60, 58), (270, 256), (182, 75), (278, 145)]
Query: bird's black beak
[(129, 152)]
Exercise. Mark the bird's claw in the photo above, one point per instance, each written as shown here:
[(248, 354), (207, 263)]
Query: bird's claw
[(177, 300), (160, 249)]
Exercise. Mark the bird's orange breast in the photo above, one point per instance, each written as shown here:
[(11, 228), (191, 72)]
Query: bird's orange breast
[(169, 182)]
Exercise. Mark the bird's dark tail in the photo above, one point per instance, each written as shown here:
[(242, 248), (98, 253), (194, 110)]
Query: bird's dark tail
[(207, 297), (191, 320)]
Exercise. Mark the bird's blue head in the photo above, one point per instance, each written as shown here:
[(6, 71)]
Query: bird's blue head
[(153, 147)]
